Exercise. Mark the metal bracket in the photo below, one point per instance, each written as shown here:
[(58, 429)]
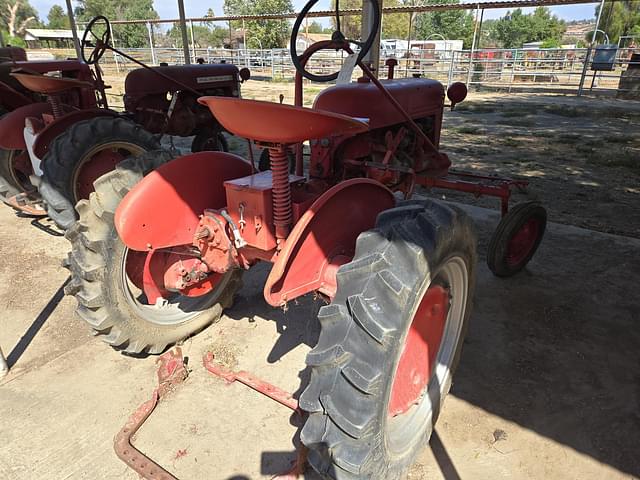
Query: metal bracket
[(171, 373)]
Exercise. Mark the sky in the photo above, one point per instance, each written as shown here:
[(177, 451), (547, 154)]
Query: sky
[(198, 8)]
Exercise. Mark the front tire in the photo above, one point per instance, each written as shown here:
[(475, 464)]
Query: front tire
[(104, 285), (88, 150), (360, 424)]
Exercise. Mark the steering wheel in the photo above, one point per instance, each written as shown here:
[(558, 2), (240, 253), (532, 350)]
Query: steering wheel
[(337, 37), (101, 42)]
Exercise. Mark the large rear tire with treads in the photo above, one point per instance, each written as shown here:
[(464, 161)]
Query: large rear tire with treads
[(79, 156), (103, 282), (389, 342)]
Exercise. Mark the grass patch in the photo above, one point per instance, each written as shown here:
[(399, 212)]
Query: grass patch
[(509, 142), (624, 158), (517, 122), (469, 130), (476, 108), (569, 138)]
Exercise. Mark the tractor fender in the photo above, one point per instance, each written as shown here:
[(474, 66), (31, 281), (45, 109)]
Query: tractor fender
[(325, 238), (60, 125), (12, 125), (163, 209)]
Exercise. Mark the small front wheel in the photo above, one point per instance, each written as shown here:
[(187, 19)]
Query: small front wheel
[(516, 239)]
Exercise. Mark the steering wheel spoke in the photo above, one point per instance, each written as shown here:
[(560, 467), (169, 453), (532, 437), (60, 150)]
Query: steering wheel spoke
[(338, 39)]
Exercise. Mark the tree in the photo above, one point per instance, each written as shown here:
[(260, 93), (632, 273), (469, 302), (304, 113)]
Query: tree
[(395, 25), (126, 35), (516, 28), (619, 18), (204, 36), (314, 27), (17, 15), (268, 33), (350, 26), (57, 18), (451, 24)]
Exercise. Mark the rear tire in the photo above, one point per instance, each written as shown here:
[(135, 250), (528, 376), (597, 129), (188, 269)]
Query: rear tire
[(349, 432), (204, 141), (68, 153), (97, 262)]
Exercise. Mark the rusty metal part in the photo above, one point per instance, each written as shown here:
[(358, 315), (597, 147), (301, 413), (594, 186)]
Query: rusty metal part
[(171, 373), (28, 203), (213, 242), (268, 390), (36, 82)]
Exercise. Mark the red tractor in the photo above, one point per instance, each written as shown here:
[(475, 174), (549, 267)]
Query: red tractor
[(60, 146), (156, 258)]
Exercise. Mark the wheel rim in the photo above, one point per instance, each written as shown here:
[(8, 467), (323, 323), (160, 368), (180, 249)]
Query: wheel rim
[(178, 308), (20, 169), (423, 374), (523, 242), (98, 161)]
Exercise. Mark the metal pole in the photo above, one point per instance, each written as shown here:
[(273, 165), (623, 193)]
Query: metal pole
[(193, 41), (584, 71), (183, 29), (373, 57), (409, 45), (74, 30), (480, 30), (153, 52), (115, 55), (473, 43), (595, 31)]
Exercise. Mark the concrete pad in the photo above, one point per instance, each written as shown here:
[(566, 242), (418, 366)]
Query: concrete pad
[(547, 386)]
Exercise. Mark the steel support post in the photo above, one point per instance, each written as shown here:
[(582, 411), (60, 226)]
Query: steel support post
[(473, 44), (373, 57), (74, 30), (193, 42), (153, 52), (585, 67), (183, 30)]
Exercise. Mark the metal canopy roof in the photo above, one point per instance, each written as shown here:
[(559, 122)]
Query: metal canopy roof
[(357, 11)]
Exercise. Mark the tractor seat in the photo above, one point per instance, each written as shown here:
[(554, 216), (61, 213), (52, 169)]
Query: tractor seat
[(47, 85), (277, 123)]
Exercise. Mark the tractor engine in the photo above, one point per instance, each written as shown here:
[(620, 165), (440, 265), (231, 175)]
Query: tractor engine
[(159, 106), (390, 152)]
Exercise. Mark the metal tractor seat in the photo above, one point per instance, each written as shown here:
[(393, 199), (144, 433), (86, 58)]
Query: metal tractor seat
[(363, 99), (47, 85), (277, 123)]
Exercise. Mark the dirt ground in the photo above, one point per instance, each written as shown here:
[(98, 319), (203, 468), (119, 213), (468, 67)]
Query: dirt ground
[(548, 386), (549, 382)]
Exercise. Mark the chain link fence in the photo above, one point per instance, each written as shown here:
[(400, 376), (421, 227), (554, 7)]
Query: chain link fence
[(513, 70)]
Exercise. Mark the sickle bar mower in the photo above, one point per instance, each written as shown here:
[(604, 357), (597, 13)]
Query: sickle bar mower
[(158, 254)]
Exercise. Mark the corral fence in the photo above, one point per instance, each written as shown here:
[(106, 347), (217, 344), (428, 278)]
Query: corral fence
[(514, 70)]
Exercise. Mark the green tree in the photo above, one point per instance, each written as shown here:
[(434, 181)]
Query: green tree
[(451, 24), (268, 33), (125, 35), (516, 28), (396, 25), (350, 26), (57, 18), (16, 16), (619, 18), (204, 36), (315, 27)]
